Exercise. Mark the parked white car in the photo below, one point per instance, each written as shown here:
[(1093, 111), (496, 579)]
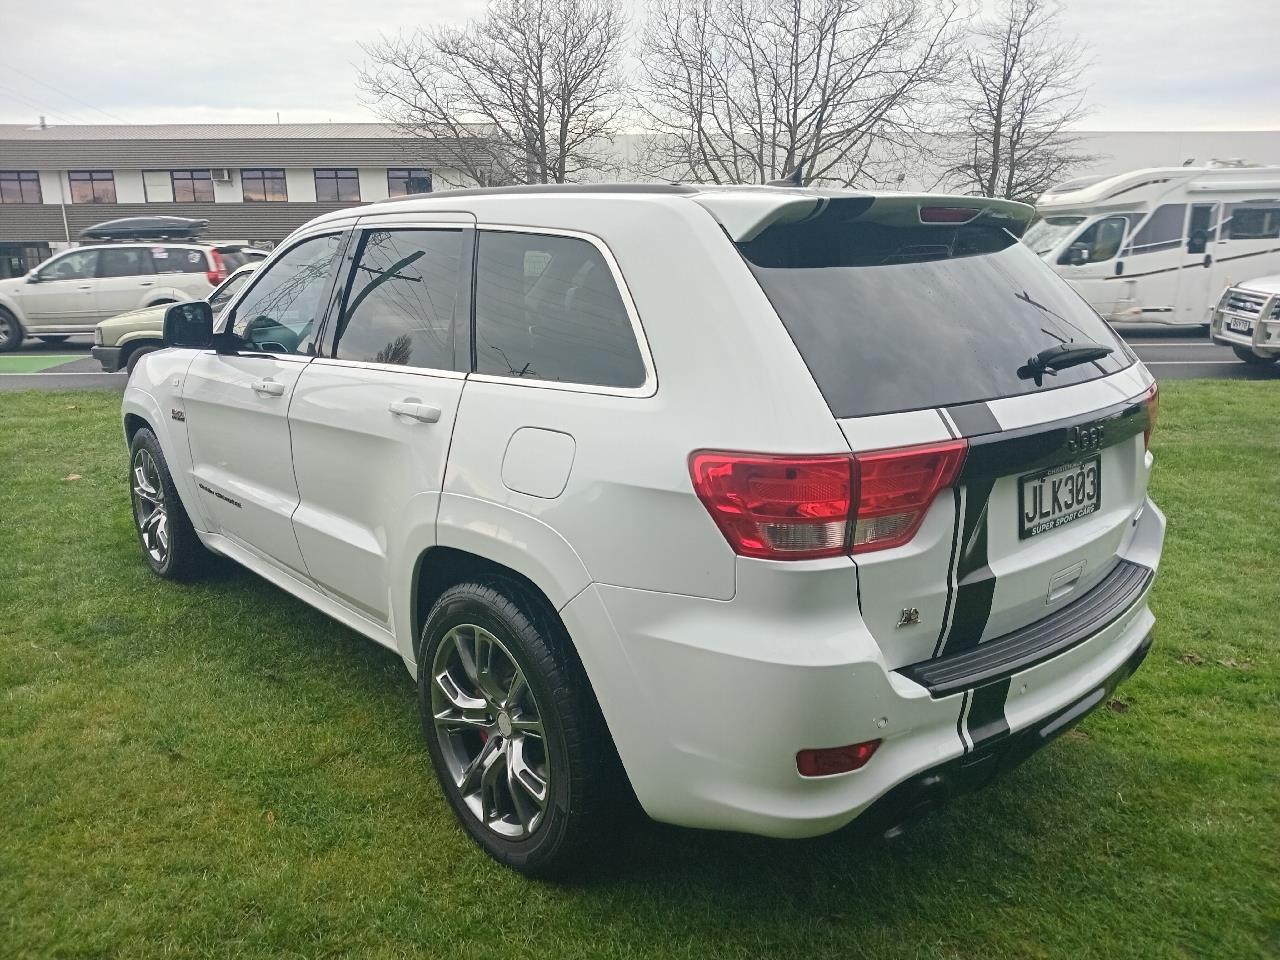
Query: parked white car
[(72, 291), (1247, 319), (1158, 245), (775, 506)]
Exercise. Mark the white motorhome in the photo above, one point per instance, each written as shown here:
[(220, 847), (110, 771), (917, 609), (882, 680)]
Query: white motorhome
[(1159, 245)]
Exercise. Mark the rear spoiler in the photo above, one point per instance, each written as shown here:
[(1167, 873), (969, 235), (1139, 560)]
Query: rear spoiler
[(745, 214)]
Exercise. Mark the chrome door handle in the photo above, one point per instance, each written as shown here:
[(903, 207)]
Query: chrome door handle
[(146, 283), (415, 410), (87, 286), (268, 388)]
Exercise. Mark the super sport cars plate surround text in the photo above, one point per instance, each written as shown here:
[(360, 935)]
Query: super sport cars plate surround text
[(1051, 498)]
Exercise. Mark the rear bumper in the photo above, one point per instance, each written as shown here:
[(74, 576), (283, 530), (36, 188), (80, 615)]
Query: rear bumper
[(109, 357), (709, 701)]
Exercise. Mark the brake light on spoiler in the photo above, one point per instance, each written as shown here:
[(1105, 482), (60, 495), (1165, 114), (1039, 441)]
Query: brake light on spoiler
[(780, 507)]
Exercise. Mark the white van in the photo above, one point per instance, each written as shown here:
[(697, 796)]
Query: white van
[(1159, 245)]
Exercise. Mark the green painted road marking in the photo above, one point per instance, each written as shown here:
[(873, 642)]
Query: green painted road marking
[(35, 362)]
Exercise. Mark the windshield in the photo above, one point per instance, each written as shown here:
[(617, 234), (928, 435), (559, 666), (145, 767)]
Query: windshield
[(901, 318), (1043, 236)]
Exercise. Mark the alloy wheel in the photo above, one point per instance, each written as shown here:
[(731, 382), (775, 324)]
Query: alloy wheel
[(490, 732), (149, 509)]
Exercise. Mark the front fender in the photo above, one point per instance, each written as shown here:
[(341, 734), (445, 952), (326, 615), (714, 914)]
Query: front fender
[(11, 304), (154, 393)]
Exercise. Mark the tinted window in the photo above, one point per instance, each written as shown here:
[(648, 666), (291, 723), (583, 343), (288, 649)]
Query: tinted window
[(399, 306), (282, 309), (74, 266), (192, 186), (401, 183), (1253, 223), (124, 262), (261, 185), (92, 186), (1162, 231), (1101, 240), (19, 186), (337, 185), (547, 308), (901, 318), (179, 260)]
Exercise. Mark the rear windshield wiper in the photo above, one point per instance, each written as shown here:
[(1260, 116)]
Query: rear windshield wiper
[(1060, 356)]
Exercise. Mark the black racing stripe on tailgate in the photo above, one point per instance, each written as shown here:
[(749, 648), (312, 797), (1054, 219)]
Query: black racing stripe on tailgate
[(975, 583), (974, 419), (986, 721), (1044, 445)]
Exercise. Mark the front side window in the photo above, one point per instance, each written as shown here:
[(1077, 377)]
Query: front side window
[(124, 262), (400, 304), (281, 311), (1161, 231), (332, 185), (547, 308), (80, 265), (222, 296), (19, 186), (1252, 223), (405, 181), (262, 185), (1097, 242), (192, 186), (92, 186)]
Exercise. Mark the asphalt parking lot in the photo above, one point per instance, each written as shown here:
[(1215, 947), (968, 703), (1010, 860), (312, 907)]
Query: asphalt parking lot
[(1171, 353)]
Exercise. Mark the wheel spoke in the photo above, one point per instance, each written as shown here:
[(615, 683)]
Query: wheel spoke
[(473, 773), (459, 698), (492, 776), (488, 659), (523, 778)]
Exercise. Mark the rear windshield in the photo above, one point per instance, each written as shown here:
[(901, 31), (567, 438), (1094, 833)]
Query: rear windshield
[(892, 318), (234, 257)]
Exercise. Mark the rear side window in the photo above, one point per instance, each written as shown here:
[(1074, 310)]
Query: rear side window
[(179, 260), (1253, 223), (1162, 231), (399, 307), (892, 318), (124, 262), (547, 308)]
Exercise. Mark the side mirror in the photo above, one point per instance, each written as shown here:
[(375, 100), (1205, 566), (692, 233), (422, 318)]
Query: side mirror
[(189, 325), (1078, 254), (1198, 240)]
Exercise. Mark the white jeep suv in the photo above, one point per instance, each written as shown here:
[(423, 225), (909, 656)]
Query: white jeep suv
[(774, 506)]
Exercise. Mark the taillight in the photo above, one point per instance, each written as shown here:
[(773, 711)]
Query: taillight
[(219, 271), (1152, 398), (804, 507), (832, 760), (777, 507), (897, 487)]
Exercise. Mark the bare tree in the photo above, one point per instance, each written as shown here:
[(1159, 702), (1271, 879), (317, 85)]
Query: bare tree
[(1022, 93), (744, 91), (530, 92)]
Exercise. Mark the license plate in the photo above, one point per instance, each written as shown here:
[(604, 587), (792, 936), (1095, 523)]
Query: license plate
[(1051, 498), (1239, 325)]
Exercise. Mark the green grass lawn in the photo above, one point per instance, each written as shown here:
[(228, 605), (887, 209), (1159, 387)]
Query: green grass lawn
[(219, 771)]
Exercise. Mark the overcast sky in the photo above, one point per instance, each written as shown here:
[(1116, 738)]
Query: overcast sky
[(1157, 64)]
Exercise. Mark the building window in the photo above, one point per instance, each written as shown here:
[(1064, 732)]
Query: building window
[(192, 186), (19, 186), (334, 185), (401, 183), (263, 185), (92, 186)]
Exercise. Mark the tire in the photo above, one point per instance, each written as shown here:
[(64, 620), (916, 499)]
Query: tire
[(1248, 356), (10, 331), (58, 339), (136, 354), (169, 545), (550, 732)]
